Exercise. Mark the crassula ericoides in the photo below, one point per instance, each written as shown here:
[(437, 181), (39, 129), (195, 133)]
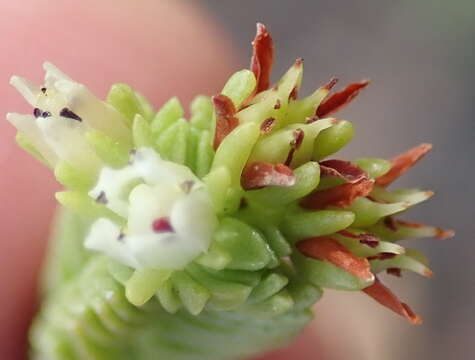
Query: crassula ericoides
[(209, 237)]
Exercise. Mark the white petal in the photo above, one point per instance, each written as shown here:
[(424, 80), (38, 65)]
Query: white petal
[(26, 88), (114, 182), (105, 237), (66, 138), (156, 170), (52, 74), (194, 220), (94, 112), (149, 203), (27, 125), (161, 251)]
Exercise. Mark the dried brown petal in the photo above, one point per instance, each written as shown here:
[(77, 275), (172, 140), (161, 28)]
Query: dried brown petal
[(340, 196), (340, 99), (262, 57), (327, 249), (295, 144), (345, 170), (267, 125), (226, 120), (403, 163), (261, 174), (379, 292)]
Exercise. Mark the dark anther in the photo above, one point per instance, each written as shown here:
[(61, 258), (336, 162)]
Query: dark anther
[(101, 198), (187, 185), (65, 112)]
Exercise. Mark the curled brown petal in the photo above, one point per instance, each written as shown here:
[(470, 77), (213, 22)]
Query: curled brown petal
[(345, 170), (340, 99), (226, 120), (379, 292), (340, 196), (402, 163), (327, 249), (260, 174), (262, 57), (295, 144)]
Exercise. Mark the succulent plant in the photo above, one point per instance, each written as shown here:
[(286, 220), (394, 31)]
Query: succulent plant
[(209, 237)]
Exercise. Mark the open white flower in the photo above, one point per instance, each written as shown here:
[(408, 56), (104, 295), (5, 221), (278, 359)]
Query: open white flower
[(63, 111), (170, 216)]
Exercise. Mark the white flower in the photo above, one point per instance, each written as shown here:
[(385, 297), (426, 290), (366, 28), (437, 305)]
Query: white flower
[(63, 111), (170, 216)]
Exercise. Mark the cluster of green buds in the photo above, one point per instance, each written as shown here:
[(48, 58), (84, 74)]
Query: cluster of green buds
[(235, 218)]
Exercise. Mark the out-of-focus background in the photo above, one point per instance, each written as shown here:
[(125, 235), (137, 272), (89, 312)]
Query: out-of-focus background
[(421, 58)]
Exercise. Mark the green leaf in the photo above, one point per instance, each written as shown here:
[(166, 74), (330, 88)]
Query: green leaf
[(170, 112), (369, 212), (225, 295), (193, 295), (143, 284), (201, 112), (373, 166), (307, 177), (73, 178), (123, 98), (246, 246), (112, 152), (327, 275), (168, 297), (331, 140), (302, 225), (240, 86), (233, 153), (268, 286), (141, 132)]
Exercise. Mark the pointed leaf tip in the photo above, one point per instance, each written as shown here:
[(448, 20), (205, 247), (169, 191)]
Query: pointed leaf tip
[(341, 98), (379, 292), (402, 163), (262, 57), (327, 249), (357, 184)]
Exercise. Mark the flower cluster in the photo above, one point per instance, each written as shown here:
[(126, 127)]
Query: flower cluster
[(237, 210)]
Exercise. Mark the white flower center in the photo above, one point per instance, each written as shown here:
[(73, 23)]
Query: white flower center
[(170, 216)]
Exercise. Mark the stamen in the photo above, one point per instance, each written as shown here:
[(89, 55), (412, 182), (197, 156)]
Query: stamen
[(102, 198), (187, 185), (37, 112), (67, 113)]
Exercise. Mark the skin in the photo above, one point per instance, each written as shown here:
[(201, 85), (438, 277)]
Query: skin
[(98, 42)]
